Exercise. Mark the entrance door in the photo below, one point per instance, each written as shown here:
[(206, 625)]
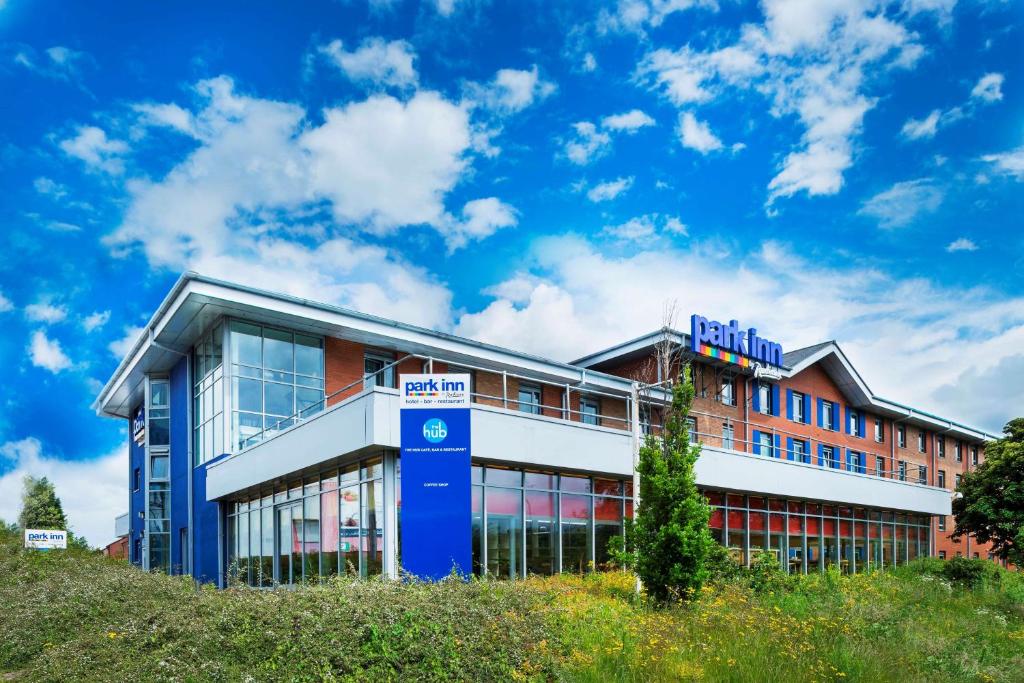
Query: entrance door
[(289, 544)]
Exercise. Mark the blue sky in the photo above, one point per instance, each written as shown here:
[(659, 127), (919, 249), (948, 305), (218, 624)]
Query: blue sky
[(542, 175)]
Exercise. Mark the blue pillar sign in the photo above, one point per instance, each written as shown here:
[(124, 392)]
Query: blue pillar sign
[(436, 494)]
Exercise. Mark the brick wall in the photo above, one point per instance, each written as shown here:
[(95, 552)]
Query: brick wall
[(343, 365)]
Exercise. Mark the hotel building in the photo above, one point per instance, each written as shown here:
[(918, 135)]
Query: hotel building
[(264, 446)]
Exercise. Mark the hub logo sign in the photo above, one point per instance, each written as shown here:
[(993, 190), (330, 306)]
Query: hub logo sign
[(434, 430), (436, 491), (46, 539), (730, 343)]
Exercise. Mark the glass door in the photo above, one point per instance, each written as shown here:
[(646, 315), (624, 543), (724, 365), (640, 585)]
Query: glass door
[(289, 544)]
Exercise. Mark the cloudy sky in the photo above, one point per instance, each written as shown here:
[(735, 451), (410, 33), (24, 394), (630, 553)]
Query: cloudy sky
[(542, 175)]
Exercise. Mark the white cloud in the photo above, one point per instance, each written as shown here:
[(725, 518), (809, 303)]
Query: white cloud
[(481, 218), (47, 354), (697, 134), (119, 348), (511, 91), (389, 163), (1010, 163), (989, 88), (92, 492), (61, 226), (92, 146), (95, 321), (591, 142), (646, 228), (628, 122), (6, 304), (814, 61), (636, 16), (375, 61), (986, 91), (907, 337), (588, 144), (45, 312), (902, 203), (58, 62), (49, 187), (445, 7), (589, 62), (961, 244), (915, 129), (249, 202), (606, 191), (166, 116)]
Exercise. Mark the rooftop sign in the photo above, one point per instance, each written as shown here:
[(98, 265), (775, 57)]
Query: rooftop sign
[(729, 343)]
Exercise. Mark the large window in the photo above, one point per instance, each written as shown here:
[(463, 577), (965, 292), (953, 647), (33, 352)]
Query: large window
[(828, 416), (277, 376), (379, 370), (806, 537), (208, 396), (727, 390), (590, 410), (159, 413), (529, 398), (311, 529), (798, 407), (533, 522), (764, 399)]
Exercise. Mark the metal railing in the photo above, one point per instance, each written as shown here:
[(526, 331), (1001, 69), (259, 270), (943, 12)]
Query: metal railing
[(563, 410), (736, 438), (737, 435)]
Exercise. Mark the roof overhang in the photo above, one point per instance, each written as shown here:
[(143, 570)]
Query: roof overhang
[(196, 302)]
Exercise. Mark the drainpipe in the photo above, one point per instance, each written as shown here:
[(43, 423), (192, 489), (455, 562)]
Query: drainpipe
[(634, 399)]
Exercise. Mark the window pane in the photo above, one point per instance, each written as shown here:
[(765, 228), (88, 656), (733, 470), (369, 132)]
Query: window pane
[(277, 350), (246, 344), (540, 533), (308, 401), (247, 395), (309, 357), (504, 530), (280, 399), (158, 394), (607, 524), (575, 533), (348, 530), (158, 432), (159, 467)]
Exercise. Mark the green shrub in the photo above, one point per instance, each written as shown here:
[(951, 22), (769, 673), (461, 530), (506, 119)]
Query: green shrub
[(970, 572)]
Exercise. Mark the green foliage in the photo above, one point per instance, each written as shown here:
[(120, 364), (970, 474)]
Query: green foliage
[(40, 506), (721, 566), (992, 504), (80, 616), (670, 535), (964, 572), (766, 573)]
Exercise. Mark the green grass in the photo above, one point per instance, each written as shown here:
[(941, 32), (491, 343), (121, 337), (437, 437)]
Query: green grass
[(78, 616)]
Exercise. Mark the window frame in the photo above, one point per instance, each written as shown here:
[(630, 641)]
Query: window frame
[(590, 418), (535, 407)]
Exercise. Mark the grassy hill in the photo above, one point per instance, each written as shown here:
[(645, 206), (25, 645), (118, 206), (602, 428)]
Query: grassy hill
[(78, 616)]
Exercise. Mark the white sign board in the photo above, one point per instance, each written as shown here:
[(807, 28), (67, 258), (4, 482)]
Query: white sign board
[(46, 539), (435, 391)]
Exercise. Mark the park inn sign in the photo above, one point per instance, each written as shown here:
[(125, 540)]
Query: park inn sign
[(730, 343)]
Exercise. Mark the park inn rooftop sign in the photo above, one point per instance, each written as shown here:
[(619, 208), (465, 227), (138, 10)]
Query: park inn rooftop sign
[(731, 344)]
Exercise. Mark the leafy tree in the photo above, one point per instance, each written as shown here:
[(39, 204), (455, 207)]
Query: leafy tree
[(670, 538), (42, 509), (991, 506), (40, 506)]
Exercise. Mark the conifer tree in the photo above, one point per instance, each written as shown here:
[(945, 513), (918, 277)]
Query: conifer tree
[(40, 506), (670, 538)]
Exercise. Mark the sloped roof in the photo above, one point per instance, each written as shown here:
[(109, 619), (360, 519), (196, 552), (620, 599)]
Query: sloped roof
[(794, 358)]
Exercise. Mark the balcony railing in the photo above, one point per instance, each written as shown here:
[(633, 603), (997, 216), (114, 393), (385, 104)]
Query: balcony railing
[(563, 410)]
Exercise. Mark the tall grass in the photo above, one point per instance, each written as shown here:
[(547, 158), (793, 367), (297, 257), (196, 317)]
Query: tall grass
[(79, 616)]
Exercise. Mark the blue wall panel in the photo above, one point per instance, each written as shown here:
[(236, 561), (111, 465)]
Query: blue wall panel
[(180, 465), (136, 499), (206, 525)]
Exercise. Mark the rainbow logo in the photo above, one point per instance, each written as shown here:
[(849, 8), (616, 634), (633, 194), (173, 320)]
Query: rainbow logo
[(423, 393), (727, 356)]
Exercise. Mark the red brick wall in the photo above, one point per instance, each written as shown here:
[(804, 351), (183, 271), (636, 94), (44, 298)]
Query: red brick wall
[(343, 365)]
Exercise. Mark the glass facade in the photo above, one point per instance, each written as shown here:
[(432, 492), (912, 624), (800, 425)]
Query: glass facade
[(275, 375), (158, 497), (806, 536), (535, 522), (310, 530), (208, 396)]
